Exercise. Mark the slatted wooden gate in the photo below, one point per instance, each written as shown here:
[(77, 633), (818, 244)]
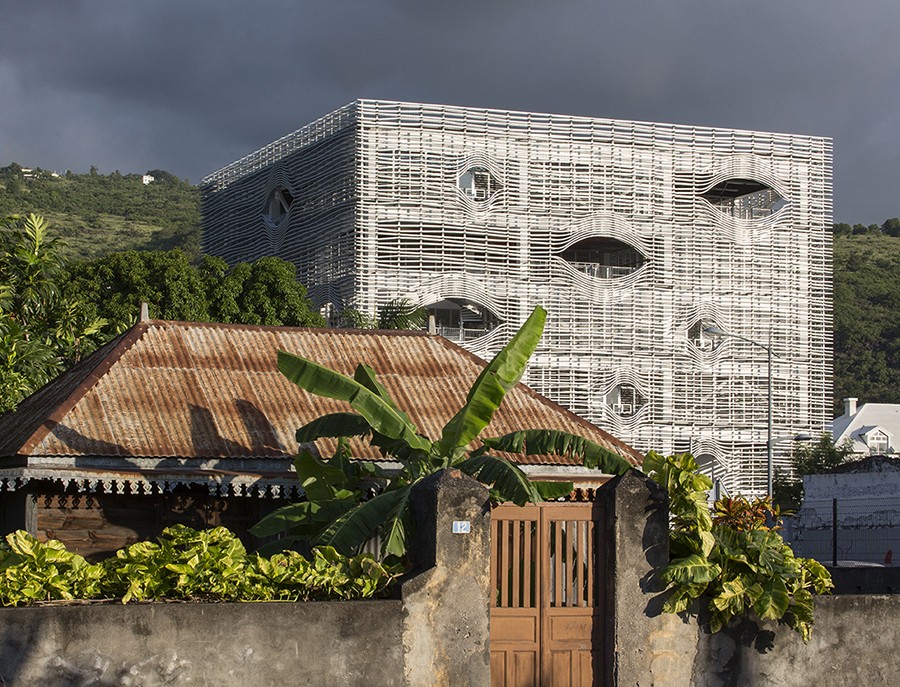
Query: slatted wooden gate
[(547, 571)]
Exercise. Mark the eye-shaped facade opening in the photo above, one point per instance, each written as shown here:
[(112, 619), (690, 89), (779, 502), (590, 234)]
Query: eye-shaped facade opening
[(700, 338), (708, 465), (478, 183), (744, 198), (603, 257), (280, 201), (460, 320), (625, 400)]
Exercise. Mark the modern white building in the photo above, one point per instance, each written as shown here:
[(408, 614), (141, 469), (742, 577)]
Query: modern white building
[(635, 236)]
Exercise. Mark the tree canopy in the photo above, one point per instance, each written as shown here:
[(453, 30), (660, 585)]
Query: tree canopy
[(264, 292), (43, 330), (53, 311)]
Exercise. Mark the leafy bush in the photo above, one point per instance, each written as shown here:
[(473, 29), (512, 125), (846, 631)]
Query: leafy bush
[(36, 571), (184, 564), (736, 558)]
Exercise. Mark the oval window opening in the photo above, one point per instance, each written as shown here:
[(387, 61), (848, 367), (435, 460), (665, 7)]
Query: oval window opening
[(744, 198), (700, 338), (460, 320), (625, 400), (280, 201), (478, 183), (605, 258)]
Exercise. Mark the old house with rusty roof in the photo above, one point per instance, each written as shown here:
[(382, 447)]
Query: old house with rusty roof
[(193, 422)]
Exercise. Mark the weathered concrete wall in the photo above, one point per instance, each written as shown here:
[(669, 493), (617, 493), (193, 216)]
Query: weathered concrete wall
[(339, 643), (644, 645), (436, 635), (854, 643), (451, 597), (854, 637)]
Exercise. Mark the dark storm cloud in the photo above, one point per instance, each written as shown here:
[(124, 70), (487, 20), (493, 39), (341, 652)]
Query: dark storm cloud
[(190, 86)]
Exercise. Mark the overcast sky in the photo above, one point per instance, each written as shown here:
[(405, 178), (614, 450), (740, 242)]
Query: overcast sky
[(191, 85)]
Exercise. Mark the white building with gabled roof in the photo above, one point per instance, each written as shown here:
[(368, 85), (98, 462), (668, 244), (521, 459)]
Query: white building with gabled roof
[(873, 429)]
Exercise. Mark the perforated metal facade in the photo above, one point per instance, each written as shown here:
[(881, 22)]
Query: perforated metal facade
[(635, 236)]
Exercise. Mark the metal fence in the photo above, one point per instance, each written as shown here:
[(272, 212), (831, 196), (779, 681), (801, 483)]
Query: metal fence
[(847, 531)]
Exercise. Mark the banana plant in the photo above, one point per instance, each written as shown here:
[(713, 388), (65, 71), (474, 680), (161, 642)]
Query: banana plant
[(348, 501)]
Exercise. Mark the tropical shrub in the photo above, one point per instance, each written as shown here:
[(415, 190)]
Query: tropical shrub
[(734, 557), (184, 564), (347, 501), (36, 571)]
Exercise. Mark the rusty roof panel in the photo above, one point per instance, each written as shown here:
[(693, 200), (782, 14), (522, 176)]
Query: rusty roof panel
[(199, 390)]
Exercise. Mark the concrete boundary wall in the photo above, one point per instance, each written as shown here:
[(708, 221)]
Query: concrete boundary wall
[(435, 634), (854, 637)]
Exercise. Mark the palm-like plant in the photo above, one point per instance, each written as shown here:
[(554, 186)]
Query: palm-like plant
[(349, 501)]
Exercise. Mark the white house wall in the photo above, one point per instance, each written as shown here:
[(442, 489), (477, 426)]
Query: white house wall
[(416, 234)]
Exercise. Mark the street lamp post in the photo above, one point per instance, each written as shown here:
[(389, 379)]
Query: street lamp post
[(716, 331)]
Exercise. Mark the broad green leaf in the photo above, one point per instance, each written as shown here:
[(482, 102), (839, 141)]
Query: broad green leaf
[(550, 491), (396, 528), (333, 425), (681, 598), (355, 527), (707, 542), (365, 375), (507, 479), (818, 576), (718, 620), (304, 519), (320, 479), (321, 381), (730, 597), (693, 569), (486, 394), (545, 442), (802, 606), (773, 601)]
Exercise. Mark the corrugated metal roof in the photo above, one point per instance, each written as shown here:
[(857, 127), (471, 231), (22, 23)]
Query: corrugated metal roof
[(201, 390)]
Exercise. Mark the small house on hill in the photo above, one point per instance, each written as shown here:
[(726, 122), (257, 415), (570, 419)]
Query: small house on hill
[(193, 423)]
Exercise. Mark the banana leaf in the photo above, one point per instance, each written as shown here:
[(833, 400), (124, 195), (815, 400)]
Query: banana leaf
[(333, 425), (486, 394), (508, 480), (355, 527), (540, 442), (321, 381), (365, 375), (550, 491)]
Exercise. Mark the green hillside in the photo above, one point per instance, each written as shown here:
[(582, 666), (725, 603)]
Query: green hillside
[(867, 313), (98, 214)]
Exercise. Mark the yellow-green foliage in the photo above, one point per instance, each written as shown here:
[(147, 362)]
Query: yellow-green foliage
[(184, 564), (735, 557)]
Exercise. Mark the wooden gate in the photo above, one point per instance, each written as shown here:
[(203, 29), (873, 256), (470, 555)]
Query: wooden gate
[(547, 572)]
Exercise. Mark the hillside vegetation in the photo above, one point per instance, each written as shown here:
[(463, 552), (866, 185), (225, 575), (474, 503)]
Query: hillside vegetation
[(98, 214), (867, 313)]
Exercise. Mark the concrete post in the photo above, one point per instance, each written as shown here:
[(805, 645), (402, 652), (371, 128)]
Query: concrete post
[(447, 604), (644, 646)]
